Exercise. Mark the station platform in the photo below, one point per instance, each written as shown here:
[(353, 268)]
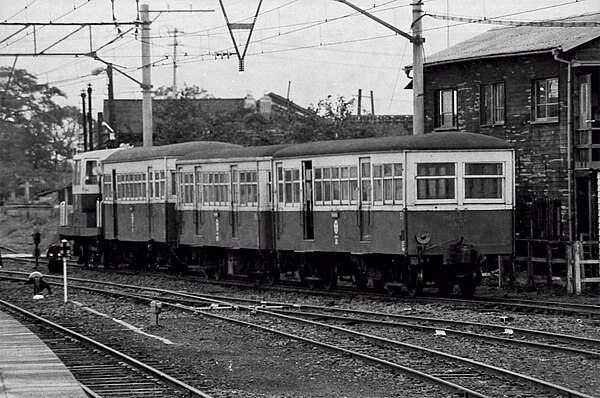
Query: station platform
[(28, 368)]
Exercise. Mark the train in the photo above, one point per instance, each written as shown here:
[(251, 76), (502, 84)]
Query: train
[(395, 213)]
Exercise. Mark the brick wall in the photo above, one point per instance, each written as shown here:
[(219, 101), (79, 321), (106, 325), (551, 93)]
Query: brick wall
[(540, 148)]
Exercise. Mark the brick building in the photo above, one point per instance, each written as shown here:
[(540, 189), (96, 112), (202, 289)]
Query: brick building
[(538, 87)]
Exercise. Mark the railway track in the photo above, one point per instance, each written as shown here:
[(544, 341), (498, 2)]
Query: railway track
[(348, 322), (101, 370), (516, 305)]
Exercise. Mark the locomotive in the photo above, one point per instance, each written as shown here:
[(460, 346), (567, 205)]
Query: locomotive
[(401, 212)]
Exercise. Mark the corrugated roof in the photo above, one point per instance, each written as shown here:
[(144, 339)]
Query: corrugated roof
[(520, 40), (166, 151), (432, 141)]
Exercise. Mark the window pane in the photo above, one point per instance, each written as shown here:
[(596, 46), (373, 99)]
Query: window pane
[(483, 188), (388, 190), (483, 169)]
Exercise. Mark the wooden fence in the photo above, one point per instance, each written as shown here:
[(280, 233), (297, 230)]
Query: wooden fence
[(552, 262)]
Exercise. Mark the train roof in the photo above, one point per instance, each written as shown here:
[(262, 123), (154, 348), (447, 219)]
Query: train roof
[(99, 154), (167, 151), (234, 153), (431, 141)]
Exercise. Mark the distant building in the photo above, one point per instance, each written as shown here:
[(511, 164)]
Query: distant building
[(128, 112)]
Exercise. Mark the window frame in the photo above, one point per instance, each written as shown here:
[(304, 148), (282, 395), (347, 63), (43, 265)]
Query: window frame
[(495, 107), (535, 118), (439, 109), (501, 177), (453, 177)]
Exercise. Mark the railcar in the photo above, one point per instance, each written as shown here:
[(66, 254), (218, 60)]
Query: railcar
[(140, 221), (401, 212), (81, 221), (226, 214)]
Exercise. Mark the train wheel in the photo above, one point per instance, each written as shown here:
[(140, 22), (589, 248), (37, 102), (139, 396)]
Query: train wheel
[(273, 274), (361, 279), (414, 284), (444, 287), (467, 285), (221, 268), (330, 277)]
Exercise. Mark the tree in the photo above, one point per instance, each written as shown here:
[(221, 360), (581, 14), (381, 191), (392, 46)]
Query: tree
[(37, 135)]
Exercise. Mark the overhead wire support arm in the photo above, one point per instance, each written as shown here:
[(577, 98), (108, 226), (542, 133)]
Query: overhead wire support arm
[(411, 38)]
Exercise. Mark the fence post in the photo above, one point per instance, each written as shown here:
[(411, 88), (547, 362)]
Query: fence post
[(549, 262), (530, 280), (569, 251), (577, 266), (500, 271)]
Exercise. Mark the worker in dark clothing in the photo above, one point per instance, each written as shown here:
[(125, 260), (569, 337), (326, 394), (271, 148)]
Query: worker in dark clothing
[(37, 280)]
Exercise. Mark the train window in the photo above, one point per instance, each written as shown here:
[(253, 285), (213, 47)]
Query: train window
[(436, 181), (387, 183), (365, 180), (484, 180), (269, 188), (91, 172), (198, 186), (187, 188), (107, 186), (77, 172), (248, 188), (280, 190)]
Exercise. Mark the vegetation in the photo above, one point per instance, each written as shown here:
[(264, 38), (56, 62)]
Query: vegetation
[(37, 136)]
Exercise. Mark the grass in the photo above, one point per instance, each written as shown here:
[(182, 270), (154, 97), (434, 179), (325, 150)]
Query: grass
[(16, 232)]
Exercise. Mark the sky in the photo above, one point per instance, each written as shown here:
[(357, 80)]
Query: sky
[(308, 48)]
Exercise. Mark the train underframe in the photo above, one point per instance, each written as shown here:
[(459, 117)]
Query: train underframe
[(460, 265)]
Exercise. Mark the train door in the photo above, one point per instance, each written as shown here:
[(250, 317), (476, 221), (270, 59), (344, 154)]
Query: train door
[(114, 204), (307, 210), (364, 202), (198, 200), (234, 202), (149, 195)]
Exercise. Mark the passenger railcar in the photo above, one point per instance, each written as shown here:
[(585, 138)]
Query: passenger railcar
[(226, 213), (140, 221), (400, 211), (81, 221)]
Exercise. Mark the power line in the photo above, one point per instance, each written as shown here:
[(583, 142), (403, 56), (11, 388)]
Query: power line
[(494, 21)]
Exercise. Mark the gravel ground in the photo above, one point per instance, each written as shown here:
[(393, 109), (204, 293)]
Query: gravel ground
[(235, 361)]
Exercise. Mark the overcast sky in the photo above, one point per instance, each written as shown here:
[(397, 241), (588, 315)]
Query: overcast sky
[(315, 48)]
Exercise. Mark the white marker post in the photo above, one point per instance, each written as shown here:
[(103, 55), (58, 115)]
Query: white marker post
[(65, 252)]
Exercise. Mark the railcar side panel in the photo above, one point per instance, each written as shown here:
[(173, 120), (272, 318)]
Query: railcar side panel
[(340, 231), (490, 231)]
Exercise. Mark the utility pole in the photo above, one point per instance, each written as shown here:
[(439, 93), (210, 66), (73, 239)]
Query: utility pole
[(89, 117), (146, 77), (359, 109), (175, 44), (417, 40), (418, 79), (84, 121), (372, 104), (111, 100)]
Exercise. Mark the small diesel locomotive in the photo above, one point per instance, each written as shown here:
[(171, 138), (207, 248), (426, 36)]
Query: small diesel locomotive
[(396, 212)]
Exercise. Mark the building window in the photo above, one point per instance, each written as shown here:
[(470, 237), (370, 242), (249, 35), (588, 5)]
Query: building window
[(436, 181), (492, 104), (446, 109), (545, 107), (483, 180)]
